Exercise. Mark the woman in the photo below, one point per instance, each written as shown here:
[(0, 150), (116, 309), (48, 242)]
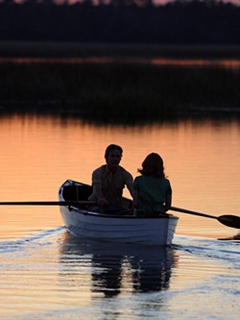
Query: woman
[(152, 191)]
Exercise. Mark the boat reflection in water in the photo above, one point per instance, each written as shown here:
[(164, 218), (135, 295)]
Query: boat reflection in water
[(117, 268)]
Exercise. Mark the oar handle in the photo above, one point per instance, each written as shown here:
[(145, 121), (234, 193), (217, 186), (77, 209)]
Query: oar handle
[(46, 203)]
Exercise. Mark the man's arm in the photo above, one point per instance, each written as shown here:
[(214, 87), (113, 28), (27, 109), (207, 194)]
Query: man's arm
[(97, 194), (129, 182)]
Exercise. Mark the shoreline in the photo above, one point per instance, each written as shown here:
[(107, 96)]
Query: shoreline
[(69, 111)]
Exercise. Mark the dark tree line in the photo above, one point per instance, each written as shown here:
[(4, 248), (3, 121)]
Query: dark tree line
[(181, 22)]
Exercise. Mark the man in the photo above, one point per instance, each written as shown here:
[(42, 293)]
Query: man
[(109, 180)]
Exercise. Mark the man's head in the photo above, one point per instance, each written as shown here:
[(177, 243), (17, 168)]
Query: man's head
[(113, 155)]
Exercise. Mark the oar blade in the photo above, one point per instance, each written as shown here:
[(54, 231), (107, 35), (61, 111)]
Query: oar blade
[(230, 221)]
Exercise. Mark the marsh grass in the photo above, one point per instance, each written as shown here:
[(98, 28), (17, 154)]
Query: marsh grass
[(118, 91)]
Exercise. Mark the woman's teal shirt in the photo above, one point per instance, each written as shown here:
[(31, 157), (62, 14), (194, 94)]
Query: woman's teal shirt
[(152, 192)]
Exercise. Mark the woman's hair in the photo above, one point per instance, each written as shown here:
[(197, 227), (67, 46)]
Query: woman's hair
[(152, 166)]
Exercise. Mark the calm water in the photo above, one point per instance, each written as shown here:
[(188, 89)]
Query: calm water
[(46, 274)]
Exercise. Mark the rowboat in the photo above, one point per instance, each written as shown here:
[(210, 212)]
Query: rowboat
[(124, 228)]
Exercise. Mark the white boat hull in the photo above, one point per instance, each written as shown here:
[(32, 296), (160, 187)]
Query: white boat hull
[(125, 229)]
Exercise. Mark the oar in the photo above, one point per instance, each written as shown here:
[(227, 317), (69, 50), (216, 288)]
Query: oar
[(45, 203), (227, 219)]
